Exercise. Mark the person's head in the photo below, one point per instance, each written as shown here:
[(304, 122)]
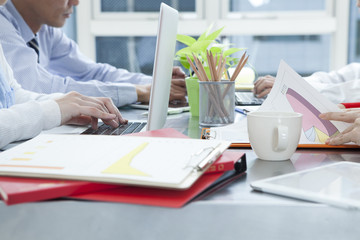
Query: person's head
[(50, 12)]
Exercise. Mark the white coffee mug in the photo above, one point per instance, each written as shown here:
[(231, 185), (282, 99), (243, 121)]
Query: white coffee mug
[(274, 135)]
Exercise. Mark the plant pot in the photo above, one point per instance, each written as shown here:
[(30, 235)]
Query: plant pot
[(192, 87)]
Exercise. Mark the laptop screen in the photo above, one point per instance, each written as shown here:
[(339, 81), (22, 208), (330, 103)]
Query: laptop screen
[(163, 64)]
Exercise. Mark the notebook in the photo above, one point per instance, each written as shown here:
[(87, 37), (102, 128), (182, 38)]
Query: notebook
[(162, 74), (335, 184)]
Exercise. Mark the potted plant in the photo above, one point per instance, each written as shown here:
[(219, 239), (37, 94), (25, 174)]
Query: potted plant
[(207, 42)]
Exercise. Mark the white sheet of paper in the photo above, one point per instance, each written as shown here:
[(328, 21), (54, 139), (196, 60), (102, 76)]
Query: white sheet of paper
[(89, 157), (291, 93)]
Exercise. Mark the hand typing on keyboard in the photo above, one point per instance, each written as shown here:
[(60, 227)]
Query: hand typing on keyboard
[(81, 110), (263, 85)]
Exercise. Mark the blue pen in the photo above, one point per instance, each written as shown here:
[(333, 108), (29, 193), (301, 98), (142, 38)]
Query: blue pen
[(242, 111)]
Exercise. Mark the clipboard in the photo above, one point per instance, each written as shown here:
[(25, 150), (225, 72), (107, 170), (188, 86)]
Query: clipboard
[(142, 161)]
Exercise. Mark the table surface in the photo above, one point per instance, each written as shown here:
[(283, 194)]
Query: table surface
[(234, 212)]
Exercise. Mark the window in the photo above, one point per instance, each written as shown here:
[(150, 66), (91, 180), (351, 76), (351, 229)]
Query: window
[(354, 33), (142, 6), (306, 34)]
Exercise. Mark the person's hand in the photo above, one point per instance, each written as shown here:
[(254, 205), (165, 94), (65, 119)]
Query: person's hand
[(263, 85), (352, 133), (81, 110), (341, 106), (178, 73), (178, 90), (178, 87), (143, 93)]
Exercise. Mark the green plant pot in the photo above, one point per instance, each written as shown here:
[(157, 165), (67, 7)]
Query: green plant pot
[(192, 87)]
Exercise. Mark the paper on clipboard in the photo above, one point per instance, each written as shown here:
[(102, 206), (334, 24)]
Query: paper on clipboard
[(291, 93), (145, 161)]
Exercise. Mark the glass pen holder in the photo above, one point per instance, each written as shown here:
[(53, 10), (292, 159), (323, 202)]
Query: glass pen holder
[(216, 103)]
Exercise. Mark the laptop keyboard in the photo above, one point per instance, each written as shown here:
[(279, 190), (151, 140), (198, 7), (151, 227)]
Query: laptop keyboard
[(247, 98), (103, 129)]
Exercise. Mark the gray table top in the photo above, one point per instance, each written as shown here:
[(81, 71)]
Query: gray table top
[(234, 212)]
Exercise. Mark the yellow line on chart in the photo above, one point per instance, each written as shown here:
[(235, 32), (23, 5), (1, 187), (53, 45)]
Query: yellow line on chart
[(122, 166), (21, 159)]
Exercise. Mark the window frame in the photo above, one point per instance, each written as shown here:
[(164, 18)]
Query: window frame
[(92, 23)]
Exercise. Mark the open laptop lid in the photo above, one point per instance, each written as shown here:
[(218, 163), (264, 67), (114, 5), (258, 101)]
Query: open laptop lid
[(163, 64)]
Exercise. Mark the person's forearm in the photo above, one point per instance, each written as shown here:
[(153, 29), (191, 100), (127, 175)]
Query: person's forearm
[(24, 121)]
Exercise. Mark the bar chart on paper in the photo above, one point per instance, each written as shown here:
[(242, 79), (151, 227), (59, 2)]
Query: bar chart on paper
[(24, 158)]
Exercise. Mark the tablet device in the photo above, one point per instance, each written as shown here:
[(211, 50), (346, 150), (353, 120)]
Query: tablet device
[(335, 184)]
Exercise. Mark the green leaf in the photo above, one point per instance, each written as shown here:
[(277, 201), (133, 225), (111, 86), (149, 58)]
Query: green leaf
[(214, 35), (215, 50), (232, 61), (184, 52), (203, 36), (219, 45), (185, 63), (231, 51), (187, 40), (200, 47), (207, 71)]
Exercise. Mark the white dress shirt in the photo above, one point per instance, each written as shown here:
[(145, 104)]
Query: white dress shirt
[(338, 86), (62, 67), (31, 112)]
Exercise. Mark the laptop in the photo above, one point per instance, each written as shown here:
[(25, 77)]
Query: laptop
[(247, 98), (162, 73), (174, 107), (244, 85)]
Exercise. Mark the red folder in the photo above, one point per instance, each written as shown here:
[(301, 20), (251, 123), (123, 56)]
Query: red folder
[(152, 196), (15, 190), (157, 196)]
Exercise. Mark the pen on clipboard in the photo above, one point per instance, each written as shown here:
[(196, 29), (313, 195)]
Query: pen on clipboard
[(241, 110)]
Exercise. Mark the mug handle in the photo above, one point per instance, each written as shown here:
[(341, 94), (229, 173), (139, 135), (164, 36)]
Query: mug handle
[(282, 138)]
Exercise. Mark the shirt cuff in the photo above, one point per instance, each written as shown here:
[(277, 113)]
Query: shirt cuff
[(51, 114), (126, 95)]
